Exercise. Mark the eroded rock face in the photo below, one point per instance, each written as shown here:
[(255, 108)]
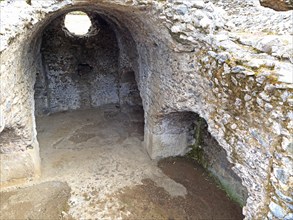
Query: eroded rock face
[(278, 5), (230, 62)]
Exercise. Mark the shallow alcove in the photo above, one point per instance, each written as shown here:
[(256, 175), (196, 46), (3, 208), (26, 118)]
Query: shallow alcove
[(186, 132)]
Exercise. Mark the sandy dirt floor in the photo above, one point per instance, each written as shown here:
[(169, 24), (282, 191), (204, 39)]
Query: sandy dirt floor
[(100, 156)]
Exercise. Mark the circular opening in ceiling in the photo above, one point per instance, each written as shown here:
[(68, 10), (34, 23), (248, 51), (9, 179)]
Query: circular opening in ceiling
[(77, 22)]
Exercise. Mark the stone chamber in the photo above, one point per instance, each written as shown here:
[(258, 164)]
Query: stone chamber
[(207, 82)]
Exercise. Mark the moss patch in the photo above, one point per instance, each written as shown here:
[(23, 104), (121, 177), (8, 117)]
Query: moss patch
[(197, 153), (226, 186)]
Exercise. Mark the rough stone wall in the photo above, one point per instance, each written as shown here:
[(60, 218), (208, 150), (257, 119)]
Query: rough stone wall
[(82, 71), (193, 56)]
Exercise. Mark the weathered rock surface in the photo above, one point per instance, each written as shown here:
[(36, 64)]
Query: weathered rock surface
[(44, 201)]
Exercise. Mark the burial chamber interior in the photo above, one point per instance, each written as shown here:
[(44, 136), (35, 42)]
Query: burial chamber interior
[(60, 71), (103, 67)]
